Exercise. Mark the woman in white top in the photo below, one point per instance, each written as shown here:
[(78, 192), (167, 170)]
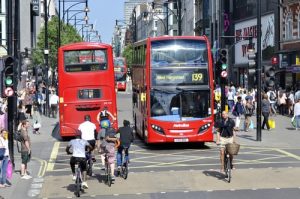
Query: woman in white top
[(4, 143), (297, 114)]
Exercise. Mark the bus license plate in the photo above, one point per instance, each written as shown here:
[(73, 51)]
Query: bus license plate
[(181, 140)]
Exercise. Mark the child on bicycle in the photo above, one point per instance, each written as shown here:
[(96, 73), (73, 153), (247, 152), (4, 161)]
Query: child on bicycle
[(126, 138), (78, 146)]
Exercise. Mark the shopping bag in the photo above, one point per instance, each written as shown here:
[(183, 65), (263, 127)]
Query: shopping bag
[(9, 170), (271, 123), (251, 126), (293, 121)]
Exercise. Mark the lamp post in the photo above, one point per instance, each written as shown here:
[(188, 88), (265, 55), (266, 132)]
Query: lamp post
[(46, 57), (76, 2)]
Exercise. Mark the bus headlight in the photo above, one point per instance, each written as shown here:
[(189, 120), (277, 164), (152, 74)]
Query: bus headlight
[(157, 129), (204, 128)]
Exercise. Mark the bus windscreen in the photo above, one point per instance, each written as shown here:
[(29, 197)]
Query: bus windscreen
[(177, 53)]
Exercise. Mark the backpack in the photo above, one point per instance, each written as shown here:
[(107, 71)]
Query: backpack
[(18, 137), (272, 96)]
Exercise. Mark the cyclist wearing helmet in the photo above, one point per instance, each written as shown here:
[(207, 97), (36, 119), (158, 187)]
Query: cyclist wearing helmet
[(78, 146), (126, 138)]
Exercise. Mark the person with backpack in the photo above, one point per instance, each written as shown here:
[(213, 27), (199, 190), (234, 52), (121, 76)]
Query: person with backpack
[(237, 111)]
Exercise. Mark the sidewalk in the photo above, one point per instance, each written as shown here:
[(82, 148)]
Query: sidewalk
[(284, 135), (40, 156)]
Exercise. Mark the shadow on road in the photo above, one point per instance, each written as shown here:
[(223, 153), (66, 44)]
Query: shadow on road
[(215, 174)]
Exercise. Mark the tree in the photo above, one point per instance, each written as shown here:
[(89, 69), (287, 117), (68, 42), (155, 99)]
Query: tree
[(68, 35), (127, 53)]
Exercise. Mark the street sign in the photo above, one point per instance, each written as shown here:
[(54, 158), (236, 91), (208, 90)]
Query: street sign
[(224, 74), (9, 92)]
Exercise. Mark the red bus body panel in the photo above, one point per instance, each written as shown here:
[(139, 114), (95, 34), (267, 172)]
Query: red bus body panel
[(181, 131), (71, 109)]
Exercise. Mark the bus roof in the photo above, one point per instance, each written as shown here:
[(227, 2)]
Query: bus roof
[(85, 45), (168, 37)]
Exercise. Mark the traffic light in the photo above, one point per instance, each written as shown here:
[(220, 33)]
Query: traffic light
[(269, 76), (9, 71), (251, 62), (222, 62)]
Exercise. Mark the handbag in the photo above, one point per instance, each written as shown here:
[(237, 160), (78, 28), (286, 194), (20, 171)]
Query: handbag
[(9, 170), (293, 121), (271, 123)]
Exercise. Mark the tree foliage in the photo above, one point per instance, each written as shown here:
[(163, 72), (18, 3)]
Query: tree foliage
[(127, 53), (68, 35)]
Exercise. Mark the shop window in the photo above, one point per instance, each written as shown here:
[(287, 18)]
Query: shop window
[(289, 27)]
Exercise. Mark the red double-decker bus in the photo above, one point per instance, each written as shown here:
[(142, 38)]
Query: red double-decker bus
[(120, 73), (172, 84), (86, 84)]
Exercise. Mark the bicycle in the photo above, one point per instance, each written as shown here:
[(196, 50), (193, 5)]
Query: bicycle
[(124, 168), (230, 150), (108, 171), (78, 181)]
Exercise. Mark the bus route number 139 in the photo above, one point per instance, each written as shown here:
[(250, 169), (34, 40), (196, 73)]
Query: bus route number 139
[(197, 77)]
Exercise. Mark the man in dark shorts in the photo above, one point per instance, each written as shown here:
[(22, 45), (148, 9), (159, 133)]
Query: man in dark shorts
[(25, 149)]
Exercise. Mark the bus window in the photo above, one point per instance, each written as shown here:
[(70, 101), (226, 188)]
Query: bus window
[(89, 94)]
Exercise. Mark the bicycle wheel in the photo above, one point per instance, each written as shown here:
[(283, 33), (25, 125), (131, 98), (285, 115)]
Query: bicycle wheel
[(89, 169), (109, 180), (77, 186), (125, 171), (225, 165), (228, 169)]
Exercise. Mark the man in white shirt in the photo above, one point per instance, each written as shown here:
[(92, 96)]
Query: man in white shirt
[(53, 103), (88, 130)]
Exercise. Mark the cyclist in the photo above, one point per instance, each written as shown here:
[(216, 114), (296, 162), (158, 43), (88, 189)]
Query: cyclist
[(104, 116), (88, 132), (100, 143), (78, 145), (126, 138), (110, 140), (225, 135)]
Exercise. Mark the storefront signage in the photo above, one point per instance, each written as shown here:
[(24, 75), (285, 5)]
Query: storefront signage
[(248, 28)]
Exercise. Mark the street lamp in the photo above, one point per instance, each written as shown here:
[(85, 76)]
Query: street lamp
[(77, 2), (86, 10)]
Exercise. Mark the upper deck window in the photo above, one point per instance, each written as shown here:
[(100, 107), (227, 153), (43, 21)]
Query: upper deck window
[(178, 53), (85, 60)]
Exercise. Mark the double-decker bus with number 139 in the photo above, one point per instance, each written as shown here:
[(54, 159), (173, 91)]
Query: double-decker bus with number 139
[(172, 84)]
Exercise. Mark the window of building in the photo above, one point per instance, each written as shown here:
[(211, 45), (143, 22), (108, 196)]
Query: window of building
[(289, 26)]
